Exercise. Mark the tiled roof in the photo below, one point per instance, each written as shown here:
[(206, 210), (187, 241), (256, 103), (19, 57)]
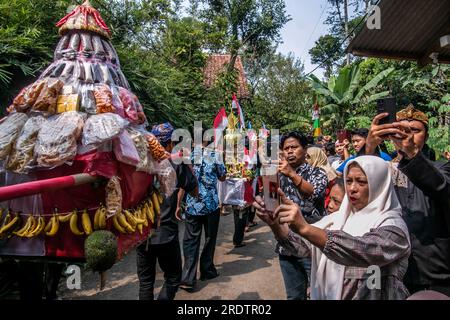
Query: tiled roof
[(216, 64)]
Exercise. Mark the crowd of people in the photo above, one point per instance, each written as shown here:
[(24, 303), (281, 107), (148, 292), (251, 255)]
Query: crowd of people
[(347, 207), (355, 221), (391, 212)]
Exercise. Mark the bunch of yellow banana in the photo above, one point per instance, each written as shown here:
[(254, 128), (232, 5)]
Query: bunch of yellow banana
[(121, 224), (74, 224), (149, 211), (52, 226), (129, 221), (10, 223), (86, 222), (32, 227), (100, 218), (156, 201)]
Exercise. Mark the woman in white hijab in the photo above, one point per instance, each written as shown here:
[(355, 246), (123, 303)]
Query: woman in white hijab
[(360, 252)]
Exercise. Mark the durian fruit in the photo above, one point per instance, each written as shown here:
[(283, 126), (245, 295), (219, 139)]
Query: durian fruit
[(101, 251)]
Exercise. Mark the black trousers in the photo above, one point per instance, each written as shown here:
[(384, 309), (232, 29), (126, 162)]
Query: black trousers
[(191, 246), (38, 278), (240, 222), (251, 215), (168, 256)]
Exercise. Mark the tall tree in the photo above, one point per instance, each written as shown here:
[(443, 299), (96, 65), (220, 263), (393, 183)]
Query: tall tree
[(283, 94), (326, 51), (248, 25)]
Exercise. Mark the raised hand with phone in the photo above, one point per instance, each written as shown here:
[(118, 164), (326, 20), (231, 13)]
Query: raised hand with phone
[(289, 216), (407, 134), (302, 183)]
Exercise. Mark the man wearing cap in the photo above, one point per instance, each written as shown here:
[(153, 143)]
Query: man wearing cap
[(423, 189), (163, 245)]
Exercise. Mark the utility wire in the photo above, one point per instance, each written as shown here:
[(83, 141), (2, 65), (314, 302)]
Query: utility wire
[(339, 46), (317, 24)]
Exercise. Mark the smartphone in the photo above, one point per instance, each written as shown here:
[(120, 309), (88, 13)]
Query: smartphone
[(271, 183), (387, 105)]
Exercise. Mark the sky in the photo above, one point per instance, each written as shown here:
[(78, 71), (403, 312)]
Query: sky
[(304, 29)]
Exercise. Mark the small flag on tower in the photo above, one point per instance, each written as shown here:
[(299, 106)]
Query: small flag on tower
[(235, 106), (316, 121)]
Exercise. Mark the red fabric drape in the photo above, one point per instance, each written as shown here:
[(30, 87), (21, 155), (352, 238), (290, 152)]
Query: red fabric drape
[(134, 185)]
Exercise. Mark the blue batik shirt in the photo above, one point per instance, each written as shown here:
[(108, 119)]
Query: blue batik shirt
[(207, 173)]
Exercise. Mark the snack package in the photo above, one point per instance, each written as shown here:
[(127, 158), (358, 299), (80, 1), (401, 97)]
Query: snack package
[(28, 96), (157, 150), (22, 155), (232, 192), (103, 99), (87, 103), (48, 97), (132, 107), (167, 177), (113, 197), (10, 128), (125, 150), (57, 139), (117, 103), (68, 102), (146, 163), (102, 127), (19, 103)]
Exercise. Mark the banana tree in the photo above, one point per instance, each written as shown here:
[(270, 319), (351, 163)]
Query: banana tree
[(345, 95), (297, 122)]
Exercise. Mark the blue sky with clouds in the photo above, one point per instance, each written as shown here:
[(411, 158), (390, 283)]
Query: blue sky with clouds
[(304, 29)]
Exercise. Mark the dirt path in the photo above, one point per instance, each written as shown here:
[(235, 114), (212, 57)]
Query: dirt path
[(248, 273)]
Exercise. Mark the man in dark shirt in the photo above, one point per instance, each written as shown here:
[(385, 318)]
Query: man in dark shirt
[(305, 186), (164, 244), (423, 189)]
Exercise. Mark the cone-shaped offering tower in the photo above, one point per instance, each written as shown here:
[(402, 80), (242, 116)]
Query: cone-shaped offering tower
[(78, 117)]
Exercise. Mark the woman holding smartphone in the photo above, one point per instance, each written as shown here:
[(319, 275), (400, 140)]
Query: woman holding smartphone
[(366, 234)]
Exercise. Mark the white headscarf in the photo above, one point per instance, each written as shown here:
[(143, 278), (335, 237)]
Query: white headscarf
[(383, 209)]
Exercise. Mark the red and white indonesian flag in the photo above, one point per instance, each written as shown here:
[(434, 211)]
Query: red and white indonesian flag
[(220, 124), (235, 105)]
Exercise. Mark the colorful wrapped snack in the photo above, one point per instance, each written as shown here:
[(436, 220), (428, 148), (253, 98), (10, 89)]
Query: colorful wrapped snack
[(157, 150), (47, 100), (132, 108), (125, 150), (28, 96), (103, 99), (167, 177), (88, 104)]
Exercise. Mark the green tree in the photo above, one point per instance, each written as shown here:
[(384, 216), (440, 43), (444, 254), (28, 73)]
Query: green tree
[(346, 96), (27, 39), (247, 25), (283, 95), (326, 52)]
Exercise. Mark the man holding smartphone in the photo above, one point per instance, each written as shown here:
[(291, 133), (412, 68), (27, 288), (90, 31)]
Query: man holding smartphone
[(423, 189), (305, 186)]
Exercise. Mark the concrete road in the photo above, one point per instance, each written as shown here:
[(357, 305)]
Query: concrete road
[(248, 273)]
